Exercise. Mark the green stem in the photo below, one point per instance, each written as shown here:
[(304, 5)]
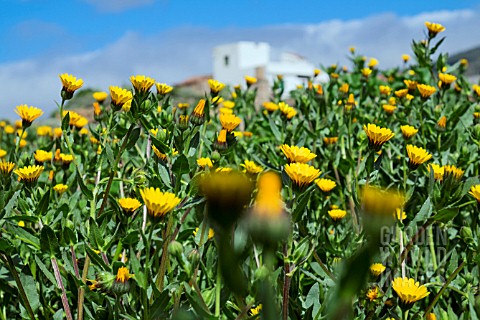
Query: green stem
[(146, 305), (218, 287), (11, 266), (449, 280), (114, 168), (400, 244), (432, 249), (164, 259), (58, 277), (405, 314), (117, 305)]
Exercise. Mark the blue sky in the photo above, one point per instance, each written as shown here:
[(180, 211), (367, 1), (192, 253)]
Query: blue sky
[(104, 41)]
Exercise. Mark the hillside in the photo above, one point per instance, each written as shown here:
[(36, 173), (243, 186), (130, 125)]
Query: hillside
[(473, 57)]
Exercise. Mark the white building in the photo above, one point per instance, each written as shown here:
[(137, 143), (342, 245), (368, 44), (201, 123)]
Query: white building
[(232, 62)]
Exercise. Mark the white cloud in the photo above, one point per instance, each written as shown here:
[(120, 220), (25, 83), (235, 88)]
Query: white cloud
[(177, 54)]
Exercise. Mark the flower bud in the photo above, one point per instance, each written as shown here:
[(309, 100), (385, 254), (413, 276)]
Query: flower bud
[(175, 248)]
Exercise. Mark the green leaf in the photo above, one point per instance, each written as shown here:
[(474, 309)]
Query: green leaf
[(159, 306), (137, 270), (163, 173), (96, 236), (25, 236), (446, 214), (65, 122), (276, 133), (45, 271), (44, 202), (423, 214), (95, 258), (181, 165), (10, 204), (31, 291), (6, 246), (133, 138), (87, 192), (109, 153), (48, 241)]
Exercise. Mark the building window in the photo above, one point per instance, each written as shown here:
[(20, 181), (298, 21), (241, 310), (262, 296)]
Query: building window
[(226, 60)]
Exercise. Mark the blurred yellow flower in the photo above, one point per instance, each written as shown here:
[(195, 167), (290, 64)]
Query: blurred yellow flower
[(372, 63), (211, 233), (120, 97), (100, 96), (438, 171), (44, 131), (42, 156), (426, 90), (405, 58), (344, 88), (60, 188), (330, 140), (215, 86), (411, 85), (270, 106), (446, 78), (6, 167), (451, 170), (389, 109), (229, 121), (381, 202), (326, 185), (377, 269), (337, 214), (401, 93), (228, 104), (3, 153), (474, 191), (442, 123), (163, 88), (287, 110), (366, 72), (251, 167), (372, 294), (250, 80), (385, 90), (408, 131), (399, 214), (204, 162), (434, 28)]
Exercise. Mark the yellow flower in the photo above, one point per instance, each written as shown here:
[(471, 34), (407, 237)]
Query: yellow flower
[(438, 171), (431, 316), (408, 131), (129, 205), (204, 162), (385, 90), (476, 88), (401, 93), (337, 214), (29, 174), (344, 88), (451, 170), (372, 63), (409, 291), (215, 86), (3, 153), (405, 58), (229, 121), (57, 132), (42, 156), (366, 72), (270, 106), (66, 158), (411, 85), (100, 96), (44, 131), (163, 88), (399, 214), (70, 83), (211, 233), (417, 156), (446, 78), (377, 136), (158, 203), (6, 167), (434, 28), (286, 110), (183, 105), (297, 154), (251, 167), (377, 269), (269, 200), (426, 90), (255, 311), (225, 111), (330, 140), (388, 108), (326, 185), (60, 188), (381, 202), (372, 294), (142, 84), (301, 174), (474, 191), (442, 123), (119, 97), (250, 80), (28, 114)]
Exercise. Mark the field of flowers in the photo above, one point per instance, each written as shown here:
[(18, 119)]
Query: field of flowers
[(357, 198)]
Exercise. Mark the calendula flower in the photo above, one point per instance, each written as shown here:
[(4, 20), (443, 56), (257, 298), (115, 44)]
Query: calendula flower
[(381, 202), (57, 132), (372, 63), (408, 131), (405, 58), (385, 90), (372, 294), (377, 136), (215, 86), (474, 191), (44, 131), (66, 159), (434, 28), (366, 72), (42, 156), (431, 316), (221, 142), (326, 185), (446, 78), (297, 154), (6, 167), (417, 156), (70, 85), (29, 174), (211, 233), (198, 114), (426, 90), (204, 162), (301, 174), (225, 111), (451, 170), (121, 283), (120, 97), (287, 111), (158, 203), (344, 88), (399, 214), (250, 80), (476, 88), (228, 104), (316, 72), (442, 123), (401, 93), (3, 153), (377, 269), (411, 85), (389, 109), (330, 140), (229, 121), (251, 167), (60, 188), (163, 88), (438, 171), (350, 101), (270, 106), (129, 205), (255, 311), (142, 84), (409, 291), (100, 96), (28, 114), (337, 214)]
